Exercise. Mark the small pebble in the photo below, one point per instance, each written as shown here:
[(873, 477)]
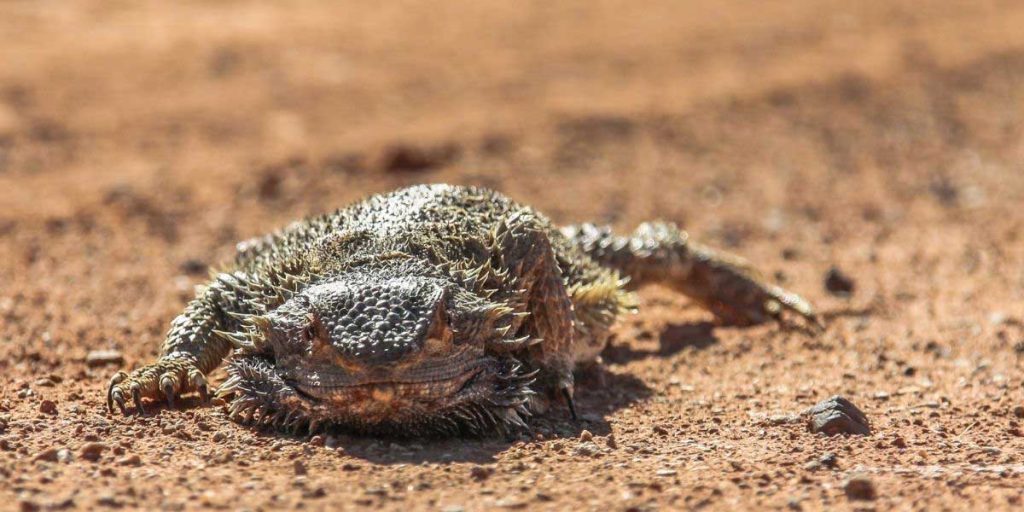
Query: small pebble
[(92, 451), (481, 472), (48, 407), (829, 460), (860, 488), (511, 503), (300, 468), (838, 283), (318, 492), (49, 455), (131, 460), (103, 358), (587, 449), (64, 455), (586, 436), (108, 500)]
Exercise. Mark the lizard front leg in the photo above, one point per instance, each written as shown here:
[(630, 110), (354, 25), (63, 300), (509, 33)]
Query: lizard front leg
[(723, 283), (190, 351), (522, 244)]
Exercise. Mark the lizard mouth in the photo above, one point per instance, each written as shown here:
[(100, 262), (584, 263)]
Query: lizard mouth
[(391, 390), (422, 380)]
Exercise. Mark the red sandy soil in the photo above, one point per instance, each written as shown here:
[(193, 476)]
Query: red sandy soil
[(140, 140)]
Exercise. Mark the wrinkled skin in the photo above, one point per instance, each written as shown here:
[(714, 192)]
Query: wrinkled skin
[(432, 310)]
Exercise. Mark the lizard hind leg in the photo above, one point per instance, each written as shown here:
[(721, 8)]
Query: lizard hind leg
[(522, 245), (725, 284)]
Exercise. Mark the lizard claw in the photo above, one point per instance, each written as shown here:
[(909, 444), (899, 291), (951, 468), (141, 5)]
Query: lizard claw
[(166, 379), (118, 378), (137, 398), (794, 303), (567, 394), (198, 382), (167, 386), (119, 400)]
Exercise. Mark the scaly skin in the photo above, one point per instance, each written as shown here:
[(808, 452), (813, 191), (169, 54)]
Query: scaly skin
[(428, 310)]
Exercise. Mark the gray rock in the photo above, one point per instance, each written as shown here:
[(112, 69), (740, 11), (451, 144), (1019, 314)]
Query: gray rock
[(837, 415)]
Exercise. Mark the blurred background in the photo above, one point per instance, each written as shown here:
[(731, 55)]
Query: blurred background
[(140, 140), (185, 127), (309, 104)]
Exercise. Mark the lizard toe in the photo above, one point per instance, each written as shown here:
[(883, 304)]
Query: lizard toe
[(170, 387), (113, 391)]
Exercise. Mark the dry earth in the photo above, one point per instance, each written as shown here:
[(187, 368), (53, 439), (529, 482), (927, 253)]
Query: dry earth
[(140, 140)]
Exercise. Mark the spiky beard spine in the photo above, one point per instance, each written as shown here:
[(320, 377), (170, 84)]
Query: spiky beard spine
[(259, 397)]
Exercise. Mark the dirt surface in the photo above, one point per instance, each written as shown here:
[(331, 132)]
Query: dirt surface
[(139, 141)]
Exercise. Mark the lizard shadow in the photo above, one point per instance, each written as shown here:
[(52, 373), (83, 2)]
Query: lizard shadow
[(674, 338)]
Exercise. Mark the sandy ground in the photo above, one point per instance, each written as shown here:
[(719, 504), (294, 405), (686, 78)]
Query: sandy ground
[(140, 140)]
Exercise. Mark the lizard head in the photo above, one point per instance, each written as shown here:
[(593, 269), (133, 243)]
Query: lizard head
[(401, 355)]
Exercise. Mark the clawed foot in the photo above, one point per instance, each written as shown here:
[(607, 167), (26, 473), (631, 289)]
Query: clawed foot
[(167, 379), (769, 302), (737, 294)]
